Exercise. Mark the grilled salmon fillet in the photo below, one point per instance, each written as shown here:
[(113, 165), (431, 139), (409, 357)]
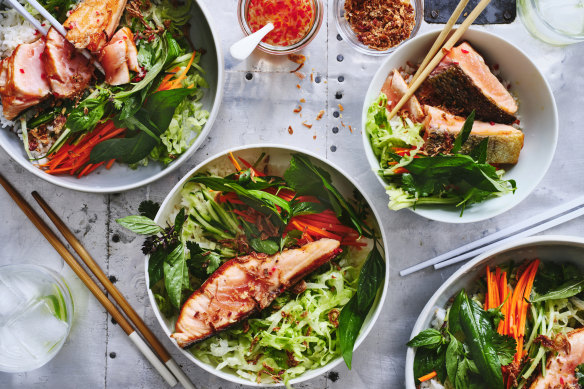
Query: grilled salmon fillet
[(394, 88), (93, 22), (23, 82), (119, 57), (561, 369), (68, 71), (441, 129), (462, 82), (244, 285)]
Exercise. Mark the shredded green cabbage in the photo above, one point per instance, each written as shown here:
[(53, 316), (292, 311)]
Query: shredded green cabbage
[(296, 334)]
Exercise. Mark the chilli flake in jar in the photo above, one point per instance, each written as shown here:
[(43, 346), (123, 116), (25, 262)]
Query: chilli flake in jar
[(292, 19)]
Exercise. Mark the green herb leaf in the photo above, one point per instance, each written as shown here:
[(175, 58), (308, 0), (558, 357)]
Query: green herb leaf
[(264, 246), (479, 153), (155, 267), (307, 208), (464, 133), (290, 239), (505, 347), (427, 361), (202, 263), (308, 179), (579, 372), (353, 314), (179, 220), (350, 322), (370, 279), (140, 225), (479, 335), (87, 114), (176, 275), (454, 353), (148, 208), (429, 338), (566, 290)]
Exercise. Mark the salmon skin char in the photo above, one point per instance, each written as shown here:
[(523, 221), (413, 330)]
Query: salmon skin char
[(246, 285), (454, 86)]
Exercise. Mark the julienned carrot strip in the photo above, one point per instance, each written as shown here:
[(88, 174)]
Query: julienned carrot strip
[(353, 243), (318, 231), (234, 162), (109, 164), (89, 165), (336, 227), (427, 376), (183, 75)]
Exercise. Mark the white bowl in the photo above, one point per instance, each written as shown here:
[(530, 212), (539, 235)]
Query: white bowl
[(537, 112), (120, 177), (548, 248), (279, 160)]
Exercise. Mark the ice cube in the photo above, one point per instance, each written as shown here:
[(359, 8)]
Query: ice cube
[(9, 302), (29, 283), (38, 329), (13, 356)]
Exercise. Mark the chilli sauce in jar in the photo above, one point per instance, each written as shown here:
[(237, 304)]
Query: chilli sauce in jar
[(292, 19)]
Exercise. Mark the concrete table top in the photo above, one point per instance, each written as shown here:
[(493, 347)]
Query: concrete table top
[(99, 355)]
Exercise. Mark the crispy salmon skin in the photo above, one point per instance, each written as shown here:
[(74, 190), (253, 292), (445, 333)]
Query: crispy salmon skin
[(244, 285), (462, 82)]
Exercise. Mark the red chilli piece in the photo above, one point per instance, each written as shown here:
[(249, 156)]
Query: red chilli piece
[(492, 123), (464, 51), (21, 70)]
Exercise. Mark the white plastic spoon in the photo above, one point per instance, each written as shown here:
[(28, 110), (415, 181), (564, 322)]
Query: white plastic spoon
[(243, 48)]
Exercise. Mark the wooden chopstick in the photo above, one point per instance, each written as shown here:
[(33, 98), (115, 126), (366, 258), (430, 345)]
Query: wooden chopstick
[(438, 43), (88, 281), (114, 292), (438, 57), (531, 222)]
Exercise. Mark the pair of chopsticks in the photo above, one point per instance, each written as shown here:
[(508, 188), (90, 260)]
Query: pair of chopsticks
[(531, 226), (160, 358), (435, 55), (54, 22)]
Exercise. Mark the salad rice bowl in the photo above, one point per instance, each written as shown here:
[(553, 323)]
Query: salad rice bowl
[(296, 337)]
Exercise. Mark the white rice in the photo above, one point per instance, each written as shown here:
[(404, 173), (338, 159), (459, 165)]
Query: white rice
[(431, 384)]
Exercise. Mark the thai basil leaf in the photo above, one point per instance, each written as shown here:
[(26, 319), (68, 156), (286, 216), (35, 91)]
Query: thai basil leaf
[(429, 338), (155, 267), (140, 225), (566, 290), (479, 153), (427, 361), (454, 326), (264, 246), (307, 179), (370, 278), (454, 352), (161, 106), (479, 333), (176, 275), (353, 314), (350, 321), (464, 133)]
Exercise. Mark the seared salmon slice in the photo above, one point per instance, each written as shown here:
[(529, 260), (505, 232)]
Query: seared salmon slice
[(119, 57), (560, 372), (244, 285), (68, 71), (441, 129), (93, 22), (23, 82), (394, 88), (463, 82)]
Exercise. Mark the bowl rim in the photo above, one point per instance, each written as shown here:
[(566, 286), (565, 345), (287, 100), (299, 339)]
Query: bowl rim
[(80, 187), (465, 219), (418, 18), (310, 374), (482, 259), (275, 50)]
